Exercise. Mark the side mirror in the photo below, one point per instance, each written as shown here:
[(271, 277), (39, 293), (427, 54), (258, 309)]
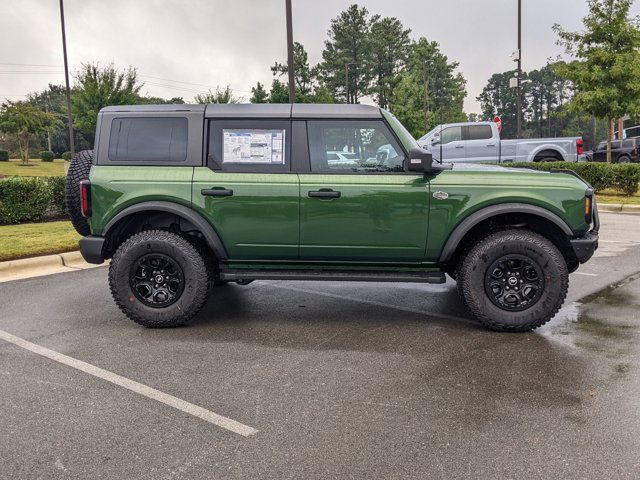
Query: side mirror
[(435, 140), (419, 160)]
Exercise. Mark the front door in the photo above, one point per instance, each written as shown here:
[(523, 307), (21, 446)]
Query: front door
[(247, 190), (451, 147), (363, 208)]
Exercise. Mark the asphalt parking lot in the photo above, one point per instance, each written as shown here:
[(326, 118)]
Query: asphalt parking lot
[(331, 380)]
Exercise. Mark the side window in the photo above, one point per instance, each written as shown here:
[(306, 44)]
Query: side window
[(353, 146), (138, 139), (480, 132), (249, 145), (451, 134)]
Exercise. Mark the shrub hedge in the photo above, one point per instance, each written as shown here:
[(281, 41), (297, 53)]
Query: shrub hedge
[(30, 199), (4, 156), (47, 156), (66, 156), (624, 177)]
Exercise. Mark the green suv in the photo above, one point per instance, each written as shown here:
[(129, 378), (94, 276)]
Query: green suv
[(183, 198)]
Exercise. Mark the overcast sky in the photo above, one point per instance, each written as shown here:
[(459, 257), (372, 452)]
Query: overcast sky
[(183, 47)]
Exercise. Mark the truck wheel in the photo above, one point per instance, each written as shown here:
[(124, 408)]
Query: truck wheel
[(513, 281), (159, 279), (78, 171)]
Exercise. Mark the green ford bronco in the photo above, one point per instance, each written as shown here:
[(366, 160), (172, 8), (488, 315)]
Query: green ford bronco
[(183, 198)]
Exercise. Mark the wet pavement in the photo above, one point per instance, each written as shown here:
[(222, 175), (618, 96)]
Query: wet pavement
[(340, 380)]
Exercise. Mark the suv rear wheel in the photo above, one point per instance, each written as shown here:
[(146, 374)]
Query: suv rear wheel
[(159, 279), (513, 280)]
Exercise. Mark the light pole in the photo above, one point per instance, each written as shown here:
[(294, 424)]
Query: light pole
[(519, 78), (66, 78), (292, 85), (346, 79)]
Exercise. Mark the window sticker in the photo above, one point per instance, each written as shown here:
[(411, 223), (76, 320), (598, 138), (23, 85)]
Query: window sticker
[(253, 146)]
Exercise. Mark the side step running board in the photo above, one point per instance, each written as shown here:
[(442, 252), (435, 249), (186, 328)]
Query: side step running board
[(333, 275)]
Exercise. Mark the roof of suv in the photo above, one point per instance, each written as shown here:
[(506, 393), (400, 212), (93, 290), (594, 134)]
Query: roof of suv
[(260, 110)]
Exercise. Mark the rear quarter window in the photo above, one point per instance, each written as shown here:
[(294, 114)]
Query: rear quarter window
[(153, 140)]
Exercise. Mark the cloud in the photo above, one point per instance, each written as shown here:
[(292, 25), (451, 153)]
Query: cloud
[(183, 47)]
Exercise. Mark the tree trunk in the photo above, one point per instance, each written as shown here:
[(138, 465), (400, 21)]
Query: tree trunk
[(609, 138), (23, 145)]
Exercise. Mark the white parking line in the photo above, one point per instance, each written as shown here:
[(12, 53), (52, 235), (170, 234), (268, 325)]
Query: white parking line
[(587, 274), (144, 390), (371, 302)]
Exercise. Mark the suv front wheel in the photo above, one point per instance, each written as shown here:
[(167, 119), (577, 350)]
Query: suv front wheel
[(159, 279), (513, 280)]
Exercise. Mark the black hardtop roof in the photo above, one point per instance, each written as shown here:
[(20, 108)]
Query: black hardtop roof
[(259, 110)]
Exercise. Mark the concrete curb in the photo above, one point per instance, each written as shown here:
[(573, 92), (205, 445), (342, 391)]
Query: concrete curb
[(45, 265), (619, 208)]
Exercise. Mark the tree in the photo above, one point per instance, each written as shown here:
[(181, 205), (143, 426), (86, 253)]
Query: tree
[(390, 43), (147, 100), (348, 53), (606, 69), (259, 94), (304, 75), (430, 91), (98, 87), (25, 121), (224, 95), (498, 98), (279, 92), (308, 85)]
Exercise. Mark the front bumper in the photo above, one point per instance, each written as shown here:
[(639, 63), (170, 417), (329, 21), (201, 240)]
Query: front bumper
[(584, 247), (91, 249)]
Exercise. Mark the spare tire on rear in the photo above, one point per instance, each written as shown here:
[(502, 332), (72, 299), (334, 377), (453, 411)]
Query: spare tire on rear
[(78, 171)]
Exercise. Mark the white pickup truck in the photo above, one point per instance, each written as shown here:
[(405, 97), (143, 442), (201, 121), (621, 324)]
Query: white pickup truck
[(479, 142)]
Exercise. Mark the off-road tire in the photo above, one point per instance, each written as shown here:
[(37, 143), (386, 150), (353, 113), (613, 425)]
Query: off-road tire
[(179, 249), (623, 159), (547, 160), (78, 171), (473, 268)]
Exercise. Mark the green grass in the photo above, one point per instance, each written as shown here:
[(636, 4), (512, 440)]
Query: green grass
[(611, 196), (34, 239), (36, 168)]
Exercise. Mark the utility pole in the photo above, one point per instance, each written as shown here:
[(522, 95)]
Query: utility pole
[(66, 78), (292, 84), (519, 89)]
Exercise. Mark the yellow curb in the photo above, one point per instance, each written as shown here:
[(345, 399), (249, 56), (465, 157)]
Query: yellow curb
[(609, 207), (40, 266), (631, 209), (75, 260)]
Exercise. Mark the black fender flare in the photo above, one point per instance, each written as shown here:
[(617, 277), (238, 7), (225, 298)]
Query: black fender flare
[(475, 218), (210, 235)]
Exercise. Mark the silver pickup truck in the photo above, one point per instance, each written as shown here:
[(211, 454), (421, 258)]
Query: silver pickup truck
[(479, 142)]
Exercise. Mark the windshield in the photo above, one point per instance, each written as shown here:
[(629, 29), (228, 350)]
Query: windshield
[(430, 133), (405, 137)]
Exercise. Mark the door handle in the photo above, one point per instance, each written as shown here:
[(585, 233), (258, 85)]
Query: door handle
[(216, 192), (459, 146), (324, 194), (491, 144)]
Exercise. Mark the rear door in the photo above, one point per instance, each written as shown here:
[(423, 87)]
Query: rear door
[(369, 210), (481, 146), (248, 191)]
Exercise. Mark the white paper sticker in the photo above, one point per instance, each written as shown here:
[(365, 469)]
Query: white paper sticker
[(253, 146)]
